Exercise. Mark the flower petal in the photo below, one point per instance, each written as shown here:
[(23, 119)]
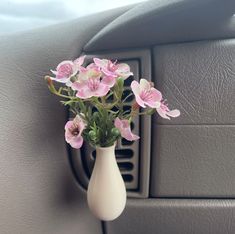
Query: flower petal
[(69, 62), (173, 113), (128, 135), (68, 125), (101, 91), (84, 93), (155, 100), (125, 130), (76, 142), (100, 62), (54, 72), (109, 80), (162, 113), (144, 84), (93, 66), (135, 87), (156, 95), (78, 85), (109, 73), (123, 67), (140, 101), (118, 123), (82, 89), (60, 80), (123, 70), (79, 61), (125, 75)]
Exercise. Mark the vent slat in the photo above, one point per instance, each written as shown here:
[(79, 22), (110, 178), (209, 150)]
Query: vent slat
[(124, 153), (125, 166), (127, 177)]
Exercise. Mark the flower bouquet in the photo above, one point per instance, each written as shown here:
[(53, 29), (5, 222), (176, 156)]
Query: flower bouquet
[(95, 95)]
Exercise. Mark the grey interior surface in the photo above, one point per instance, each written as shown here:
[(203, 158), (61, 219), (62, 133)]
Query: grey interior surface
[(39, 193), (193, 161), (176, 216), (167, 21), (194, 155), (200, 78)]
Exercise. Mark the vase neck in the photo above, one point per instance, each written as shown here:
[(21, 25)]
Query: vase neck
[(105, 151)]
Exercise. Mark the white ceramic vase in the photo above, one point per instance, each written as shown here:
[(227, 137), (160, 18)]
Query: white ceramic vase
[(106, 193)]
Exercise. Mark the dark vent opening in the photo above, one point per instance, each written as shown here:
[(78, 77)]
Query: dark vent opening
[(126, 93), (126, 142), (127, 108), (124, 153), (110, 98), (120, 153), (94, 154), (128, 81), (125, 166), (94, 109), (132, 125), (127, 178), (115, 108)]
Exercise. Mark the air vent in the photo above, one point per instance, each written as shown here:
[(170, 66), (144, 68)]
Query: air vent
[(133, 158)]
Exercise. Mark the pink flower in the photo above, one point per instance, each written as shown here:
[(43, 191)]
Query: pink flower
[(66, 69), (92, 87), (165, 112), (79, 61), (124, 127), (145, 93), (89, 83), (91, 71), (73, 132), (112, 70)]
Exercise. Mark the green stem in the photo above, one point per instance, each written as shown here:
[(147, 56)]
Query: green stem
[(109, 95), (113, 112), (64, 96), (131, 94)]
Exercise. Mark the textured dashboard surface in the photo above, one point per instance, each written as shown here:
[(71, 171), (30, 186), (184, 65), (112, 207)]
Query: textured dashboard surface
[(200, 78), (167, 21), (194, 155), (171, 216)]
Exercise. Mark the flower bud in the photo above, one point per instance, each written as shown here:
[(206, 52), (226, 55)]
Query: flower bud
[(115, 132), (96, 115), (50, 84), (48, 80), (73, 79), (92, 135)]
